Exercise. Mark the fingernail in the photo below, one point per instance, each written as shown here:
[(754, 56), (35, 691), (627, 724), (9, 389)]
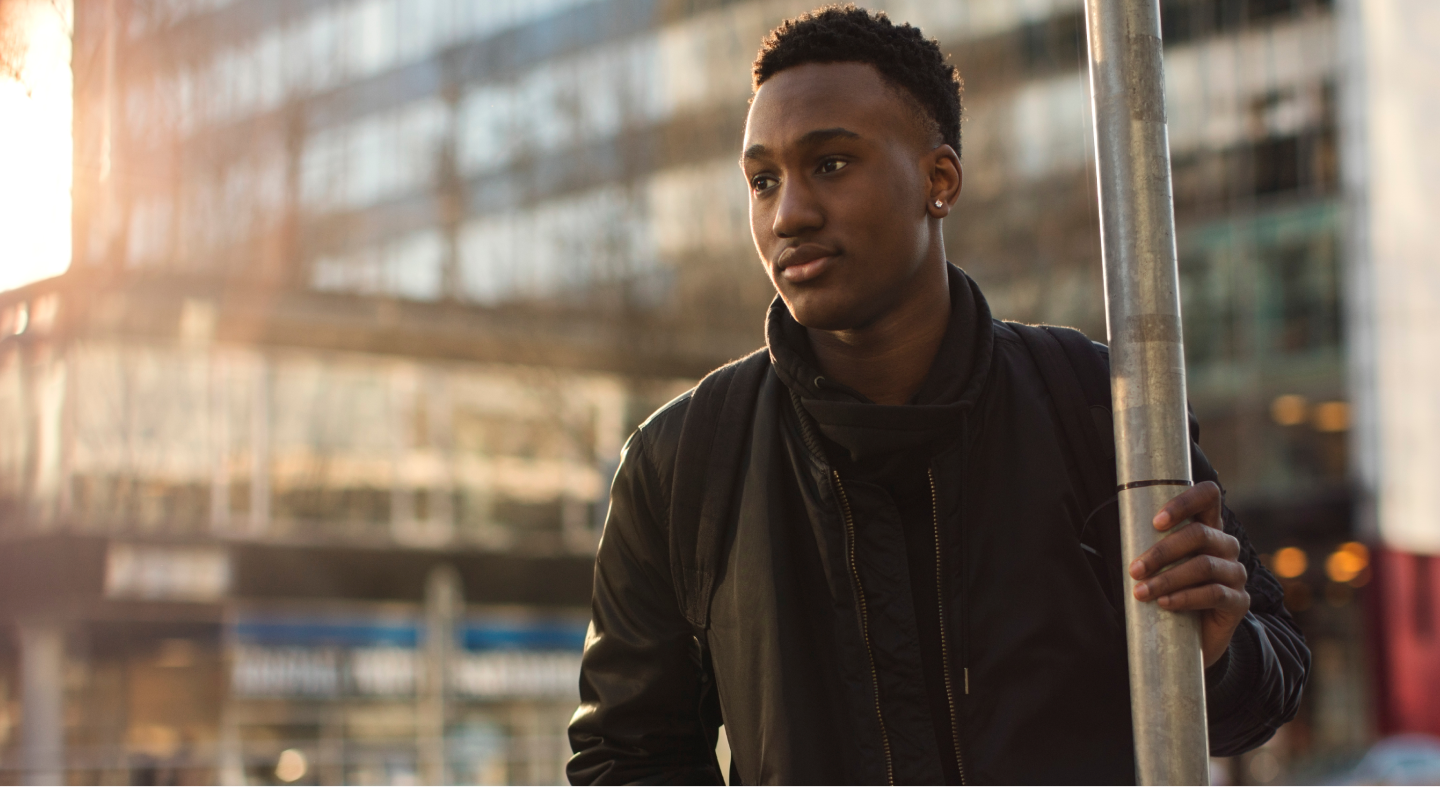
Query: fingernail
[(1142, 591), (1162, 519), (1163, 601), (1137, 569)]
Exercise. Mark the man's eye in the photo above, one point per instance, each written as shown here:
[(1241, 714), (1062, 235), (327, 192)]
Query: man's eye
[(832, 165), (762, 183)]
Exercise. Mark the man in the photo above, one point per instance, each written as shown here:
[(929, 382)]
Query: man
[(903, 590)]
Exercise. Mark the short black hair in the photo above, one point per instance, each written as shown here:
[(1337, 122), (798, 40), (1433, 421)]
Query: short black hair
[(846, 34)]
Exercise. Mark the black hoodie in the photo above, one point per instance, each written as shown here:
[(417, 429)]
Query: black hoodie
[(888, 449)]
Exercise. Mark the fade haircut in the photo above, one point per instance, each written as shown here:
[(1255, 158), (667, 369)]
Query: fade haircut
[(905, 58)]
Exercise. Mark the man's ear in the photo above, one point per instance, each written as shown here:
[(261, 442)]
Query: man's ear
[(943, 181)]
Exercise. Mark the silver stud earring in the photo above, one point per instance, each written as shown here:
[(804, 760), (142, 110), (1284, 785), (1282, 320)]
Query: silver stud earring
[(939, 204)]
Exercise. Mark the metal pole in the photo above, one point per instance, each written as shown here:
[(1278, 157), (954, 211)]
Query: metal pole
[(1147, 373)]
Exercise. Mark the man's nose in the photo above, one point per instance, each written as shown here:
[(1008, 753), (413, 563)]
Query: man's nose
[(797, 212)]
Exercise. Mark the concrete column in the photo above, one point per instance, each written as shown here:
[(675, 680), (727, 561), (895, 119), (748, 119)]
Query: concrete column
[(42, 681), (230, 757), (1389, 104), (330, 759), (219, 401), (444, 608), (260, 447)]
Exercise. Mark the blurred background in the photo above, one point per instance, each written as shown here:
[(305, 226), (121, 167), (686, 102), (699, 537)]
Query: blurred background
[(322, 323)]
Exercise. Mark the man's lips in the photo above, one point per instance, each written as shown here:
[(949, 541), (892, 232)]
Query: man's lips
[(805, 263), (806, 271)]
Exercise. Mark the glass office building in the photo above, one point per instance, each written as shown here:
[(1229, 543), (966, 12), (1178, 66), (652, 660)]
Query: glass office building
[(369, 293)]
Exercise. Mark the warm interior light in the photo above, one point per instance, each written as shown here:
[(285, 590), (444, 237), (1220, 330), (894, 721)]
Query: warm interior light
[(291, 766), (176, 653), (1289, 410), (1290, 562), (1346, 563), (1332, 416), (35, 147)]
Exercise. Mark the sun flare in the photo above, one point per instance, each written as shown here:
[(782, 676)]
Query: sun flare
[(35, 142)]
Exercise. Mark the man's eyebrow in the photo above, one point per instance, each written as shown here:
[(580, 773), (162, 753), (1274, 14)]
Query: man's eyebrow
[(809, 138), (826, 134)]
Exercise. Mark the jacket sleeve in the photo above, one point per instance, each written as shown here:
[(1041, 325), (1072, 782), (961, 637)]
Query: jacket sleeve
[(647, 710), (1255, 687)]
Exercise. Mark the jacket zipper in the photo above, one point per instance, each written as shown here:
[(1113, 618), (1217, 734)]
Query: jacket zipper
[(865, 623), (944, 640)]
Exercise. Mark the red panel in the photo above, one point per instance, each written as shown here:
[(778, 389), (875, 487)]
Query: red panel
[(1405, 606)]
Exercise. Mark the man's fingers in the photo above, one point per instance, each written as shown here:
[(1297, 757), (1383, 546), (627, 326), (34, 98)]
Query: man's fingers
[(1193, 538), (1200, 502), (1195, 572), (1206, 597)]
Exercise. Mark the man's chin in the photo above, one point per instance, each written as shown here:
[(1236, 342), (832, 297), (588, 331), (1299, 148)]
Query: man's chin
[(824, 311)]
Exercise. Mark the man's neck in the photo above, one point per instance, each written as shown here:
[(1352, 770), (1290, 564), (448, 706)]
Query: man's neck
[(888, 359)]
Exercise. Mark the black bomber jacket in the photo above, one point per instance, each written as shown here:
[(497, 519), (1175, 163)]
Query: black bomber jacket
[(811, 659)]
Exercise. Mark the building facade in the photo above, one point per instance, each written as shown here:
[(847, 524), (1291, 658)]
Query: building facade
[(369, 293)]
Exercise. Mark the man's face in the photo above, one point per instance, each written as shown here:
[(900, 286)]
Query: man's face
[(841, 178)]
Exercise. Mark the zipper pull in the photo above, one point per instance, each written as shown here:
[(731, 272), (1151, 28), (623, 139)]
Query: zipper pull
[(967, 679)]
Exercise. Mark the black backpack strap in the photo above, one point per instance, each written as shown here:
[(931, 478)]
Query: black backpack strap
[(1077, 374), (1091, 364), (713, 437), (1078, 379)]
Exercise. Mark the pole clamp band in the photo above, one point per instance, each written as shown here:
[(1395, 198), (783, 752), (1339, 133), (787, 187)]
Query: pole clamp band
[(1156, 482)]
